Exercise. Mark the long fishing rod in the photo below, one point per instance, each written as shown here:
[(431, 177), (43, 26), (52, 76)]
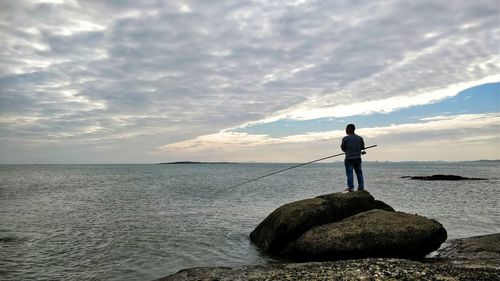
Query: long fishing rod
[(274, 173)]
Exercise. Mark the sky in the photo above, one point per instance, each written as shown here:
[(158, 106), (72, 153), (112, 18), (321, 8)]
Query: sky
[(261, 81)]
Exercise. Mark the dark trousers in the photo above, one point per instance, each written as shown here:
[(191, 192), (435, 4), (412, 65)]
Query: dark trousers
[(350, 165)]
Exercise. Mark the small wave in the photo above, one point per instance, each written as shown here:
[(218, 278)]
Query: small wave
[(237, 235)]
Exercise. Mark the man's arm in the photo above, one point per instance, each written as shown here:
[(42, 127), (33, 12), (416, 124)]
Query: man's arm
[(343, 145)]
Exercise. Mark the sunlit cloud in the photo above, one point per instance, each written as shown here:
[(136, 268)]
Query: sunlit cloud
[(485, 127), (314, 109)]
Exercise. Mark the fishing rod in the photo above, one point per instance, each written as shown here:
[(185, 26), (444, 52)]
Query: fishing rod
[(274, 173)]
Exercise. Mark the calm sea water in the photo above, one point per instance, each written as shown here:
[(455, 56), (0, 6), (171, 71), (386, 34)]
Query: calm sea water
[(141, 222)]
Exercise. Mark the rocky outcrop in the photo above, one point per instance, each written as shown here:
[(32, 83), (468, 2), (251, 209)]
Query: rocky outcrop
[(375, 233), (290, 221), (346, 225), (474, 258), (441, 178)]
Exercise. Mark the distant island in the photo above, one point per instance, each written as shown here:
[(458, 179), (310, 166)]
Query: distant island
[(194, 162), (441, 178)]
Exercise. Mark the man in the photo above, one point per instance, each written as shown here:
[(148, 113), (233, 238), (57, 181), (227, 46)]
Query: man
[(353, 146)]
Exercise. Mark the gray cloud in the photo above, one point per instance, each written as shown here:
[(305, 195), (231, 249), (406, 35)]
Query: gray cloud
[(135, 75)]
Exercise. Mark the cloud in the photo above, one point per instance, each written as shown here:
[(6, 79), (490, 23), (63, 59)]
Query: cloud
[(456, 128), (311, 110), (88, 73)]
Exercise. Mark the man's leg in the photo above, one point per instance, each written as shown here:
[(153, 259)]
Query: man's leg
[(359, 174), (348, 172)]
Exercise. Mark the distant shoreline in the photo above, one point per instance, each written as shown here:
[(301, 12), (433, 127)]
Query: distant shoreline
[(195, 162), (254, 162), (339, 161)]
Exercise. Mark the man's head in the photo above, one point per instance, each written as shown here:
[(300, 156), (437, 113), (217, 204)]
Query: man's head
[(350, 129)]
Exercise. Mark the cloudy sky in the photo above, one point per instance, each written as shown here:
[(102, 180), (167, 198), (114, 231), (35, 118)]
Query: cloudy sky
[(268, 81)]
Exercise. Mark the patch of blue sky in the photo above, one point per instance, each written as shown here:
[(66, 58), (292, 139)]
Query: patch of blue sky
[(476, 100)]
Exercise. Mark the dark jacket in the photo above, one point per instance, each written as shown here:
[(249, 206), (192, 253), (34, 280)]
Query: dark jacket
[(352, 145)]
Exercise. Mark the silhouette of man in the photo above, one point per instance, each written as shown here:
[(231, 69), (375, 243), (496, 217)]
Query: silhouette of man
[(353, 146)]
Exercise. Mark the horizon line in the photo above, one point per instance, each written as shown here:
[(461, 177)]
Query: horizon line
[(253, 162)]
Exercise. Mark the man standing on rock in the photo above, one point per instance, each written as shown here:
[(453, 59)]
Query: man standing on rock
[(353, 146)]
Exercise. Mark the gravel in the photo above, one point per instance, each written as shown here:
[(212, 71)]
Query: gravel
[(363, 269)]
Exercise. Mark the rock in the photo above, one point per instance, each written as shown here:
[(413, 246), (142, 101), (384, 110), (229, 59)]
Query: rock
[(441, 178), (375, 233), (289, 221), (483, 247), (364, 269)]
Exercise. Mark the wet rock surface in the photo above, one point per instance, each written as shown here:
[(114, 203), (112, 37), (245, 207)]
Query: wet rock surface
[(365, 269), (485, 247)]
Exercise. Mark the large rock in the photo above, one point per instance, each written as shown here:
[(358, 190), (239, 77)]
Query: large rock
[(290, 221), (375, 233)]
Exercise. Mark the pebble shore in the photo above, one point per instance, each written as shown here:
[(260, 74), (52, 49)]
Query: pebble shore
[(363, 269)]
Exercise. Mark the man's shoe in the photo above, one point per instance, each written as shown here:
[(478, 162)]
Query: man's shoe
[(348, 190)]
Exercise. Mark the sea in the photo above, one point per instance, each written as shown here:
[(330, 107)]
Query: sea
[(143, 222)]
